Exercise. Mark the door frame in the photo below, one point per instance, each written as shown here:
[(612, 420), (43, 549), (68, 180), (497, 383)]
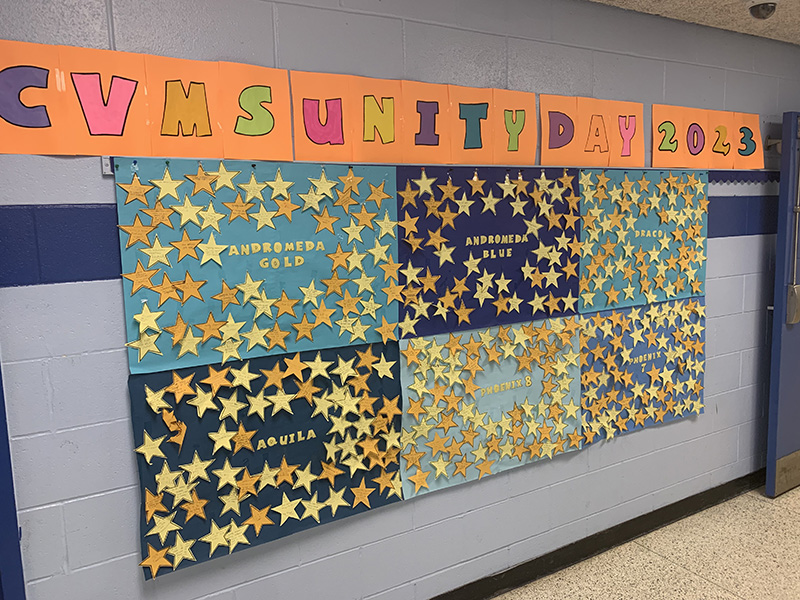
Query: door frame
[(12, 581), (783, 472)]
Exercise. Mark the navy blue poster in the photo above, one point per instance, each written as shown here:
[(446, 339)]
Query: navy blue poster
[(486, 246), (239, 454), (641, 366)]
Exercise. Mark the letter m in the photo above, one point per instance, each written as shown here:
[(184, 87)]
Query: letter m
[(185, 112)]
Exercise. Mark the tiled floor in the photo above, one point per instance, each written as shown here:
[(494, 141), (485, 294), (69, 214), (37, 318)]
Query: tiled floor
[(747, 548)]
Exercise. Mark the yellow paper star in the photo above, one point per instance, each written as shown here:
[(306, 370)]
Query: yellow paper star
[(167, 186), (280, 188)]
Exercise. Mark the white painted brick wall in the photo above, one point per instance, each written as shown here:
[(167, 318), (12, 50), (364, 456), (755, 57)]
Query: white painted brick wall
[(61, 345)]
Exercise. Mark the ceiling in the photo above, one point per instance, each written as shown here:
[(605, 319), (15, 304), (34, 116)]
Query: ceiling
[(732, 15)]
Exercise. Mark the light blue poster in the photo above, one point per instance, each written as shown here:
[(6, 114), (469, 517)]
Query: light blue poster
[(480, 402), (643, 237), (234, 260)]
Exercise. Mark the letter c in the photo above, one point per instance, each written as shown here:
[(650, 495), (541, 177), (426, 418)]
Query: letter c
[(13, 80)]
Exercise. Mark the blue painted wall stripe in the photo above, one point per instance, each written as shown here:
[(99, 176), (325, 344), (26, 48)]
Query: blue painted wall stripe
[(743, 176), (742, 215), (63, 243), (58, 244)]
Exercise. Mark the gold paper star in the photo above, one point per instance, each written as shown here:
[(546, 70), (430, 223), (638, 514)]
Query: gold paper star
[(135, 190), (155, 559)]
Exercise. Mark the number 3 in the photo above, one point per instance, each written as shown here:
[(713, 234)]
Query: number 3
[(748, 144)]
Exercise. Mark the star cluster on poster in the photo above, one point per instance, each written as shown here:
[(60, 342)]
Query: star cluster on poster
[(484, 246), (643, 237), (309, 342), (237, 455), (641, 366), (252, 259), (483, 401)]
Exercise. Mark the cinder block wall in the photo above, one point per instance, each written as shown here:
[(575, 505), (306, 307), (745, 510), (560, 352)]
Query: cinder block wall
[(65, 372)]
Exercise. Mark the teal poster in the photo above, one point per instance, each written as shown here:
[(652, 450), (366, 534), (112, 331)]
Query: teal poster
[(234, 260), (643, 237)]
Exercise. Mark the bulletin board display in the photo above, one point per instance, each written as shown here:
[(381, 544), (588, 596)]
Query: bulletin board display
[(311, 341)]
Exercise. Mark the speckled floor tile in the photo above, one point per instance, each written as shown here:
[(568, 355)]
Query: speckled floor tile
[(789, 501), (745, 545), (628, 572)]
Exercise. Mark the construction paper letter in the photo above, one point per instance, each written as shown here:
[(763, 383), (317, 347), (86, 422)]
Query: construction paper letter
[(562, 130), (472, 114), (185, 112), (515, 123), (627, 129), (427, 135), (104, 117), (597, 138), (252, 100), (378, 117), (330, 132), (12, 81)]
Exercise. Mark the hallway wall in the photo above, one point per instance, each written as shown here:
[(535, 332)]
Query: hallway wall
[(77, 491)]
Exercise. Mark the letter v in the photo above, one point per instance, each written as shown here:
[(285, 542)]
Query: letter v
[(104, 117)]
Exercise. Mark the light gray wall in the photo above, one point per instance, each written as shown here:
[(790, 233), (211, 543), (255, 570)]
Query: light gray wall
[(61, 345)]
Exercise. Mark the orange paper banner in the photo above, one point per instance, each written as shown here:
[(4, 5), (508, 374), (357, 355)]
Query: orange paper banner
[(513, 119), (105, 99), (324, 117), (472, 141), (591, 133), (254, 109), (183, 105), (33, 106), (67, 100), (705, 139), (426, 126), (376, 132)]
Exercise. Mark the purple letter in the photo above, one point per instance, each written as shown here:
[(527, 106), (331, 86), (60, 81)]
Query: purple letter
[(427, 135), (562, 129), (12, 81)]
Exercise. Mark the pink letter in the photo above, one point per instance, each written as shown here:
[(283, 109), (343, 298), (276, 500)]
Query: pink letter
[(627, 129), (104, 117), (331, 132)]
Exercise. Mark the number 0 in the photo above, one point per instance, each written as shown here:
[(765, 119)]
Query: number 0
[(695, 139)]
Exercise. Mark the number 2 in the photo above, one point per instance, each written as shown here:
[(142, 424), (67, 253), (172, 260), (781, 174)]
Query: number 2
[(668, 142), (722, 146)]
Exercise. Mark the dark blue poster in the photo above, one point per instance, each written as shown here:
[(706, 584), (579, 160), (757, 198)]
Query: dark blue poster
[(641, 367), (486, 246), (238, 455)]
